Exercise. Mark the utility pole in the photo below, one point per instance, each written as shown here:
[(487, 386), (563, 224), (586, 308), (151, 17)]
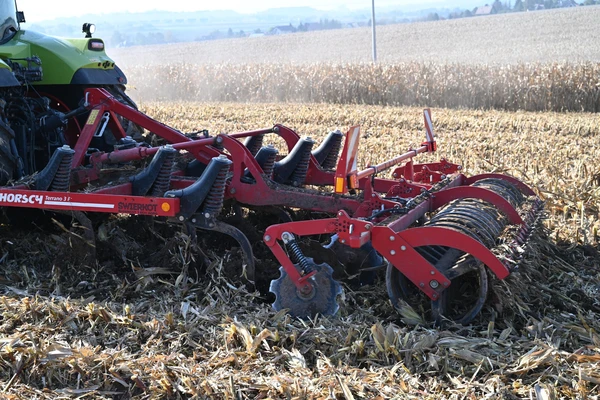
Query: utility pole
[(373, 26)]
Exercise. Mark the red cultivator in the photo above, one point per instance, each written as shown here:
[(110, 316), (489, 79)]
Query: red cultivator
[(434, 229)]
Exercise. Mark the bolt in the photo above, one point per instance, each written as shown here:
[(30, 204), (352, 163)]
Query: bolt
[(432, 272), (392, 238), (286, 236), (168, 146), (434, 284), (402, 180), (267, 238), (368, 227), (206, 215), (403, 248), (340, 214), (443, 176), (459, 167), (392, 252), (182, 218), (343, 241), (373, 195), (219, 139), (66, 147), (435, 296), (421, 284), (394, 175), (276, 129), (194, 220), (232, 191), (211, 225), (222, 157)]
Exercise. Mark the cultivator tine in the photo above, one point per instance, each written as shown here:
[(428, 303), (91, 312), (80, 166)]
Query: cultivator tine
[(208, 189), (266, 160), (327, 153), (56, 176), (254, 143), (88, 236), (202, 202), (155, 179), (292, 169), (245, 246), (213, 203)]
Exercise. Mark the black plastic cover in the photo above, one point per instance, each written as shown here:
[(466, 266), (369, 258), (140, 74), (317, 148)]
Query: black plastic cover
[(142, 182), (285, 168), (44, 179), (94, 76), (192, 197), (327, 153), (7, 78)]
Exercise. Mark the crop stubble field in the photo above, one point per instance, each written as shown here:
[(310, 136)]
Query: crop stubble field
[(150, 320)]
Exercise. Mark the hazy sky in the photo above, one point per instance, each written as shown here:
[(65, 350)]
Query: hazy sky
[(37, 10)]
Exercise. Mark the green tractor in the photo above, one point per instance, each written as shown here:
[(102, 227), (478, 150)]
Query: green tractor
[(42, 83)]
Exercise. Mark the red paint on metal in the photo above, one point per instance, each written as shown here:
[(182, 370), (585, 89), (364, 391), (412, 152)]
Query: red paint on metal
[(520, 185), (444, 197), (433, 235), (104, 203)]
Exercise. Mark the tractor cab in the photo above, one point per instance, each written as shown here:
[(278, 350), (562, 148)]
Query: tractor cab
[(9, 20)]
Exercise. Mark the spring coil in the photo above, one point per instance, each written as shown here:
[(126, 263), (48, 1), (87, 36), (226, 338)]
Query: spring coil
[(62, 179), (330, 161), (298, 257), (254, 143), (299, 175), (269, 164), (214, 199), (163, 180)]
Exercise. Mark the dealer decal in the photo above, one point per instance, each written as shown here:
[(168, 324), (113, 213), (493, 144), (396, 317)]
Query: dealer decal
[(137, 208)]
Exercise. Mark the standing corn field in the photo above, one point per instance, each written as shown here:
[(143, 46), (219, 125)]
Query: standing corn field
[(531, 87)]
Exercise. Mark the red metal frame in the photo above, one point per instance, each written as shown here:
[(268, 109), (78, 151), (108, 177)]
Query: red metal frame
[(393, 238), (93, 202), (397, 241), (87, 170)]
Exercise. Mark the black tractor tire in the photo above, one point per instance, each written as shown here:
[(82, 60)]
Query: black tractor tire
[(8, 162)]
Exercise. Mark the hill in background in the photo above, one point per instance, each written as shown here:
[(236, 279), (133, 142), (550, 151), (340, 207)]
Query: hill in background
[(544, 36), (163, 26)]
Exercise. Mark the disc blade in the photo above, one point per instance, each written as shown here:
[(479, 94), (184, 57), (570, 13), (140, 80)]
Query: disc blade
[(322, 299)]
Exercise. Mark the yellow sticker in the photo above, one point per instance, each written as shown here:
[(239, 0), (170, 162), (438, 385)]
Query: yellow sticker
[(92, 118), (166, 207)]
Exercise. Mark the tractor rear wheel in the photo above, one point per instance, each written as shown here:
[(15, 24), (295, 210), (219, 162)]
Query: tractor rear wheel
[(7, 159)]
